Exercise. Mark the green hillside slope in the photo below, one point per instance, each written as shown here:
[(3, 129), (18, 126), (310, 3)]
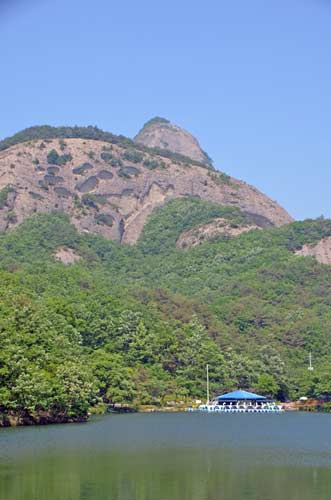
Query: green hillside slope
[(138, 324)]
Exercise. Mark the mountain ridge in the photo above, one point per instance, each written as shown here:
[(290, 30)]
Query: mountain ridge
[(108, 184)]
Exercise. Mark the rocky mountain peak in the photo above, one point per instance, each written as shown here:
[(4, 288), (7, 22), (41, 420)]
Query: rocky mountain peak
[(110, 185), (160, 133)]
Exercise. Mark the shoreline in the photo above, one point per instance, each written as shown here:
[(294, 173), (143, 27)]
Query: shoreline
[(43, 418)]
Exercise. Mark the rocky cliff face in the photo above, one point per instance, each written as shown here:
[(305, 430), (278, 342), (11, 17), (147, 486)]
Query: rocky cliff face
[(212, 230), (321, 251), (111, 189), (160, 133)]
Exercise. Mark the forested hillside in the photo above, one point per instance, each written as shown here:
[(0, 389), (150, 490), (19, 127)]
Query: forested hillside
[(137, 324)]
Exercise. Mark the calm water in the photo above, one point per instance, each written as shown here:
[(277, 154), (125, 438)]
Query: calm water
[(170, 457)]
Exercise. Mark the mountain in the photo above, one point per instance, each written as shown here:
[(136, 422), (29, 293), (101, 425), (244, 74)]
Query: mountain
[(109, 185), (215, 273), (86, 321), (160, 133)]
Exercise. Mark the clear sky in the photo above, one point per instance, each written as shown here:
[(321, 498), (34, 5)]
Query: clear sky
[(250, 79)]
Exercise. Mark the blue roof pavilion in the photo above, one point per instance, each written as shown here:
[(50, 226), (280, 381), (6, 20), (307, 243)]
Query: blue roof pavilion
[(240, 396)]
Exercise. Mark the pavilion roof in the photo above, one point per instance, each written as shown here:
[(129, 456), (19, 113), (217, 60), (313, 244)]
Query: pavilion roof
[(240, 395)]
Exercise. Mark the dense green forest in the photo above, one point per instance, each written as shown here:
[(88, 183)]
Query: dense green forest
[(137, 324)]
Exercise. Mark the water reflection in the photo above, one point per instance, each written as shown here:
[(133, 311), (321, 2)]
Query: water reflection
[(162, 457)]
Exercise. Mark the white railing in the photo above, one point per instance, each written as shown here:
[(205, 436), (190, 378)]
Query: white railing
[(241, 407)]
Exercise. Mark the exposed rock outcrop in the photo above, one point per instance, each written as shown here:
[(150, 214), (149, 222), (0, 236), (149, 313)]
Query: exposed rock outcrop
[(160, 133), (321, 251), (66, 255), (111, 189), (211, 231)]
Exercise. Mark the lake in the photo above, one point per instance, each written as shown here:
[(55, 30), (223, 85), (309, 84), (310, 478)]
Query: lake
[(180, 456)]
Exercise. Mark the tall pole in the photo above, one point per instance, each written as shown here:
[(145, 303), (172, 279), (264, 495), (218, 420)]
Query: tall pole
[(207, 369), (310, 368)]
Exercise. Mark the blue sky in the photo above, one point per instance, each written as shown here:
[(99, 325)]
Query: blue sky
[(251, 79)]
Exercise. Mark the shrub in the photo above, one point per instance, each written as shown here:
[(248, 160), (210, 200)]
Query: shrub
[(4, 195), (133, 155), (11, 217), (152, 164), (93, 200), (54, 158), (220, 178), (62, 144), (116, 162)]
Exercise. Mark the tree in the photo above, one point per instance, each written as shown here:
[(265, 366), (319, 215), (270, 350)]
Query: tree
[(267, 385)]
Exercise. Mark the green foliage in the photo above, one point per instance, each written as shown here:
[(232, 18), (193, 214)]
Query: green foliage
[(62, 144), (11, 217), (39, 370), (166, 224), (155, 121), (137, 324), (93, 200), (4, 195), (116, 162), (53, 157), (267, 385), (133, 155), (153, 164), (220, 178)]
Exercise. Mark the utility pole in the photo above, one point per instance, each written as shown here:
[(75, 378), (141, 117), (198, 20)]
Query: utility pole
[(310, 367), (207, 370)]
